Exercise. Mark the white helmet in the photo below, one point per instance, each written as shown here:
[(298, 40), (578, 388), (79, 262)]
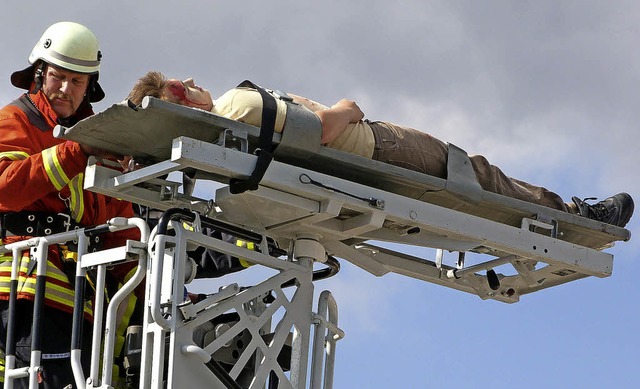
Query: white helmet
[(69, 46)]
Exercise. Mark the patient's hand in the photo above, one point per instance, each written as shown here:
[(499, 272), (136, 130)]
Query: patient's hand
[(336, 119), (355, 112)]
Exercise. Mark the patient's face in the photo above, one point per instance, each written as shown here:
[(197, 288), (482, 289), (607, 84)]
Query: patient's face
[(188, 93)]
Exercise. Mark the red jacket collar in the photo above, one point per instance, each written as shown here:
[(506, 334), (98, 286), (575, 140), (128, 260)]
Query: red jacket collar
[(42, 104)]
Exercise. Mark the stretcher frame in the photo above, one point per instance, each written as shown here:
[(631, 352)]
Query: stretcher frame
[(348, 201)]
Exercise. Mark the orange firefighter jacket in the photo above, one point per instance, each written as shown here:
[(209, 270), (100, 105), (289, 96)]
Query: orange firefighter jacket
[(39, 172)]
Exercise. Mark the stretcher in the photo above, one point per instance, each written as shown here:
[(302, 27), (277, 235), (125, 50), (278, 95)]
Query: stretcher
[(349, 203)]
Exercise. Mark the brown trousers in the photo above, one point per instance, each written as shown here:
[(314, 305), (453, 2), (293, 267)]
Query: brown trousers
[(419, 151)]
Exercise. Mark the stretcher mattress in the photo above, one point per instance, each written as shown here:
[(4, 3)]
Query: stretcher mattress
[(147, 134)]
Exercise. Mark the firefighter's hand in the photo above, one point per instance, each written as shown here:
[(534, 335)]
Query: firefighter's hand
[(129, 164), (100, 153), (196, 297)]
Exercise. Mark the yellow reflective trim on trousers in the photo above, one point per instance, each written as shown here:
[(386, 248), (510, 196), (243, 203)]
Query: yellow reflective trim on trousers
[(14, 155), (52, 292), (29, 284), (248, 245), (76, 203), (52, 297), (53, 168), (58, 293), (52, 271)]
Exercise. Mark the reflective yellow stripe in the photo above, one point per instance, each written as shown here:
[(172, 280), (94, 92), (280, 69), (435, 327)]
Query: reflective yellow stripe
[(76, 203), (29, 284), (248, 245), (14, 155), (24, 264), (26, 285), (115, 377), (53, 168)]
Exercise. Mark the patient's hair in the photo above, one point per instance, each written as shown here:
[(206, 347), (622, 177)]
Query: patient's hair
[(151, 84)]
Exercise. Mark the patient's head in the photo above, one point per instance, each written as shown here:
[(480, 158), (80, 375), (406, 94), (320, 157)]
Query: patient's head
[(186, 92)]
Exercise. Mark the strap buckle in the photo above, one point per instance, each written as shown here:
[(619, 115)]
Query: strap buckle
[(66, 223)]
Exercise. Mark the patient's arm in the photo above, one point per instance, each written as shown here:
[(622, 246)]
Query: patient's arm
[(335, 119), (314, 106)]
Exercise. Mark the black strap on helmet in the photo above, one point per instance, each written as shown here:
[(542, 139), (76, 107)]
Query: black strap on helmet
[(265, 145), (38, 77), (91, 88)]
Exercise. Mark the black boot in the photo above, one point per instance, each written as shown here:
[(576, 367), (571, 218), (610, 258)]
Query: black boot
[(616, 210)]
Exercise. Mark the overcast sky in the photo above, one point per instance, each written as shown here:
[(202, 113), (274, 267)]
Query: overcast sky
[(547, 90)]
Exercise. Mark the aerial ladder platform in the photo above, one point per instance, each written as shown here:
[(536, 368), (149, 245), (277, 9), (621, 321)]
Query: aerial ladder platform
[(313, 207)]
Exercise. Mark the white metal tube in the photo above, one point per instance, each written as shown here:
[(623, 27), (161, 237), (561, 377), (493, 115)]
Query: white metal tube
[(197, 352), (334, 335), (76, 355), (41, 256), (459, 273), (155, 283), (115, 224), (325, 353), (97, 324), (76, 367), (112, 311), (34, 369), (20, 372), (10, 360), (116, 300)]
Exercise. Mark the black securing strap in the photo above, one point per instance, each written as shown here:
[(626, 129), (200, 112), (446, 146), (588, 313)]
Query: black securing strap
[(34, 223), (265, 149), (35, 117)]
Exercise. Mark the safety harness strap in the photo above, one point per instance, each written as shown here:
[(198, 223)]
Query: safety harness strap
[(35, 223), (34, 116), (265, 148)]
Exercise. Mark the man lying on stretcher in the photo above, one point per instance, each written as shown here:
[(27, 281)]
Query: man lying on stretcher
[(343, 128)]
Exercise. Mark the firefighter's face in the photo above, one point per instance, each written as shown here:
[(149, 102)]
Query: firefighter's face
[(188, 93), (64, 89)]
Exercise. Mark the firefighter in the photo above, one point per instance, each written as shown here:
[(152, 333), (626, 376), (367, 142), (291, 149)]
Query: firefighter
[(41, 191)]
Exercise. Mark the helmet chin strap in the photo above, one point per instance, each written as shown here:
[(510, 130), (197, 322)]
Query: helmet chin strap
[(91, 88), (38, 77)]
